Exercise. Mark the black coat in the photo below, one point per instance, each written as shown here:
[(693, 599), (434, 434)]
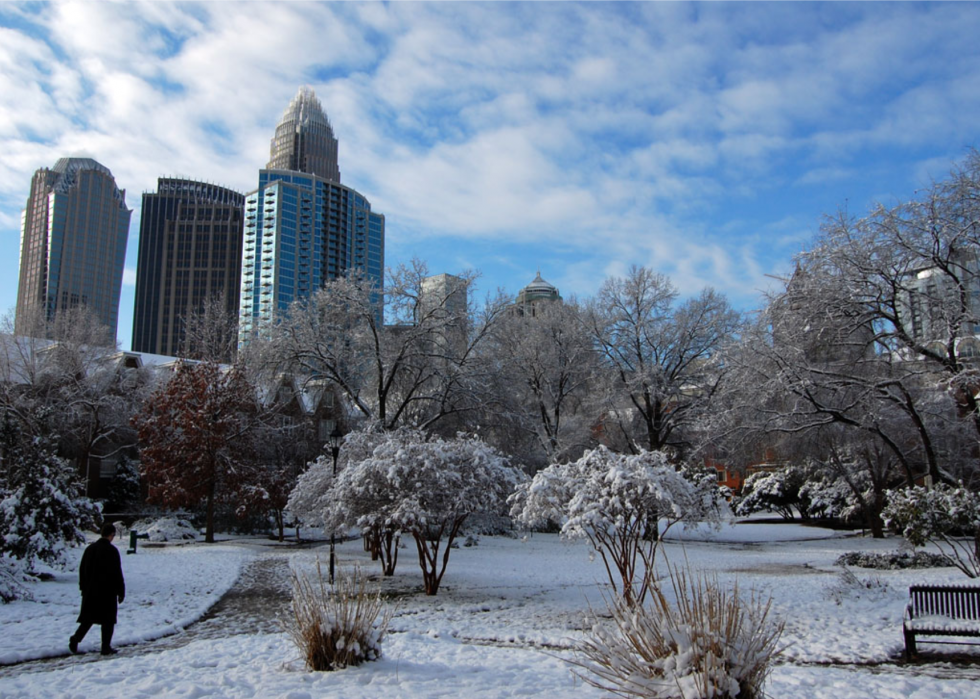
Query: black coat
[(100, 579)]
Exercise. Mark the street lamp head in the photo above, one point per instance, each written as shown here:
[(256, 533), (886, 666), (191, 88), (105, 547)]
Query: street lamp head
[(336, 436)]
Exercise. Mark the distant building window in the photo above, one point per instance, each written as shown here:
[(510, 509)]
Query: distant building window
[(326, 427)]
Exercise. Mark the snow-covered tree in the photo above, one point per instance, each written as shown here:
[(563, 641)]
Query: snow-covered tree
[(622, 504), (876, 332), (77, 378), (546, 381), (194, 437), (425, 489), (414, 363), (946, 516), (42, 510), (661, 354)]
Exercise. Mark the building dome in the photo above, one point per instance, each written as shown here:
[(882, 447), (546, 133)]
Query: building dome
[(537, 292)]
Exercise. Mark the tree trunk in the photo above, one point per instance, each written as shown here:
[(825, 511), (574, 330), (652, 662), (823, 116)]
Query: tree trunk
[(209, 517)]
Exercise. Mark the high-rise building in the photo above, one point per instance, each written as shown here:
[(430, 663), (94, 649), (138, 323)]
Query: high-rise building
[(304, 140), (74, 231), (443, 304), (303, 228), (190, 251)]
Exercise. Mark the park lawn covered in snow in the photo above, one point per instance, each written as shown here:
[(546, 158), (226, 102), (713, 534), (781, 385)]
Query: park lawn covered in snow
[(166, 590), (508, 610)]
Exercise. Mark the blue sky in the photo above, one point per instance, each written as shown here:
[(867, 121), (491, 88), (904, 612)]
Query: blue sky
[(703, 140)]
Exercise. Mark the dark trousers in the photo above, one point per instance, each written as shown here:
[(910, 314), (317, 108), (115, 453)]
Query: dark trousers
[(107, 630)]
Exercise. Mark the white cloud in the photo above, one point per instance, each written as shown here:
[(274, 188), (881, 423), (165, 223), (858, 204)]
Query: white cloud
[(646, 127)]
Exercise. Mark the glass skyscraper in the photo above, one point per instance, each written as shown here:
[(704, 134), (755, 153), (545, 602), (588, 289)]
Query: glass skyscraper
[(302, 227), (190, 251), (74, 231)]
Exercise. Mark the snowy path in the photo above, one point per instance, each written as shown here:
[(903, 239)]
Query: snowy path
[(255, 604)]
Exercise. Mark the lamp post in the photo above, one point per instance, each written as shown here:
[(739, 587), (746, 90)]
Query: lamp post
[(335, 438)]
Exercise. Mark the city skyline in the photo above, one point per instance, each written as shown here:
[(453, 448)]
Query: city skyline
[(703, 140)]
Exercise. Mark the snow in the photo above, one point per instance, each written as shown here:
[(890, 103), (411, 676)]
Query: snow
[(500, 626), (166, 590)]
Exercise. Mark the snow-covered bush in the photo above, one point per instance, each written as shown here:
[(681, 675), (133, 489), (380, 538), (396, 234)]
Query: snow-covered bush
[(848, 586), (622, 504), (13, 579), (713, 643), (773, 491), (166, 529), (406, 484), (897, 560), (945, 516), (337, 626)]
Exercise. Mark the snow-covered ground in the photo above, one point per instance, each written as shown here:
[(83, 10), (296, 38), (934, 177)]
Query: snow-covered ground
[(166, 589), (497, 628)]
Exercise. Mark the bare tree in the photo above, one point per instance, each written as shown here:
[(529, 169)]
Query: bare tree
[(662, 355), (417, 369), (547, 368), (211, 333)]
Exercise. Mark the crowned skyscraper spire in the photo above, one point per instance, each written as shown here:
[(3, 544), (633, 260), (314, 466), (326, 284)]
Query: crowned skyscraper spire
[(304, 140)]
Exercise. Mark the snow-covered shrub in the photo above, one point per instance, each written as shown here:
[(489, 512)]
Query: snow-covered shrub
[(773, 491), (13, 579), (945, 516), (167, 529), (713, 643), (123, 489), (622, 504), (338, 626), (897, 560), (848, 585)]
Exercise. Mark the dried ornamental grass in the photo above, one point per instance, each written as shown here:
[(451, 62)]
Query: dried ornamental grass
[(711, 644), (338, 626)]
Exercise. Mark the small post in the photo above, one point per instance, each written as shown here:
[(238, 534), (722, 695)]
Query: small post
[(335, 438)]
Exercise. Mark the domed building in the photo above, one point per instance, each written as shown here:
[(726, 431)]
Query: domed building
[(534, 294)]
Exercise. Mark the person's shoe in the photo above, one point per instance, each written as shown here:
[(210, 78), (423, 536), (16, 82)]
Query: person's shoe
[(109, 651), (73, 645)]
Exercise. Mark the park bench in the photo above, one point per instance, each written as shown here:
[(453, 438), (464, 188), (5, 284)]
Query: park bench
[(941, 610)]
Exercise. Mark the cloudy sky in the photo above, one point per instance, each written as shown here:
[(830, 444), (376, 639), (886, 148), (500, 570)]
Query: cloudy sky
[(703, 140)]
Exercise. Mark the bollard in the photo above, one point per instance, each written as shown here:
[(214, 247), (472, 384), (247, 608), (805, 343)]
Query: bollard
[(133, 536)]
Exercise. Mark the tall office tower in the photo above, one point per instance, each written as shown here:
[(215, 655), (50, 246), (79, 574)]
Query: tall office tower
[(444, 305), (304, 140), (302, 230), (73, 244), (190, 251)]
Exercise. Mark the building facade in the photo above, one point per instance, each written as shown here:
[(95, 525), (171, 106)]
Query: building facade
[(190, 251), (74, 231), (302, 228), (444, 305)]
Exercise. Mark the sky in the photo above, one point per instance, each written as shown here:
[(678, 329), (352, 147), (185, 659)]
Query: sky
[(704, 140)]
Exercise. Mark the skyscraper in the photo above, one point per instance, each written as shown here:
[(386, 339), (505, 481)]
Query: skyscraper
[(73, 244), (190, 251), (302, 227), (304, 140)]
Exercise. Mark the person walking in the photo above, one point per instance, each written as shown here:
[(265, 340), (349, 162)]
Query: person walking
[(100, 579)]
